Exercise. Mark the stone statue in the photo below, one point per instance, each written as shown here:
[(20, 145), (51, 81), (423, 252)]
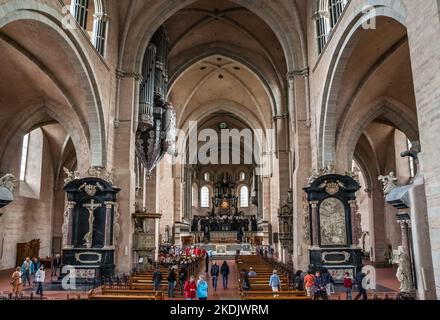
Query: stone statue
[(330, 168), (95, 172), (8, 181), (354, 174), (389, 182), (404, 272), (70, 175), (313, 176)]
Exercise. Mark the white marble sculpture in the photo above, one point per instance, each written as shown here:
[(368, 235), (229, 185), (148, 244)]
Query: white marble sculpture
[(404, 271), (8, 181), (389, 182)]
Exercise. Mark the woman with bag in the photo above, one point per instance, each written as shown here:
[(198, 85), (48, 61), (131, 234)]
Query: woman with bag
[(16, 281)]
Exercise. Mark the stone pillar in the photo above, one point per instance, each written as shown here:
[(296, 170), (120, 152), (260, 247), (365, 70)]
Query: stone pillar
[(301, 161), (124, 166), (108, 224), (69, 222), (315, 226), (423, 27), (355, 232), (404, 231)]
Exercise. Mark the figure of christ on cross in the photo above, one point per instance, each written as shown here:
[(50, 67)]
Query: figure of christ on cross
[(91, 207)]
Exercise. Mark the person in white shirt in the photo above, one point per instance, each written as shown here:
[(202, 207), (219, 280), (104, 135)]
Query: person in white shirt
[(40, 276)]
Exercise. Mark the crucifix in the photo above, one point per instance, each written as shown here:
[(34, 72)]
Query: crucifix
[(91, 207)]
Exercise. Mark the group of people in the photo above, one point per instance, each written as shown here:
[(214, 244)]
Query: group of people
[(224, 223), (189, 287), (32, 271), (320, 285)]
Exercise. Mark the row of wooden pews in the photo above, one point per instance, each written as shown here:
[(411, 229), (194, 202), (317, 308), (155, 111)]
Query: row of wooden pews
[(260, 289), (139, 287)]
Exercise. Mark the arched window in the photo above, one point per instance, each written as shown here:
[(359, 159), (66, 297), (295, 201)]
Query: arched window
[(242, 176), (244, 197), (194, 195), (92, 17), (336, 7), (206, 176), (204, 197), (31, 164)]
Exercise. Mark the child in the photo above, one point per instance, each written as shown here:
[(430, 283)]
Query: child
[(348, 285)]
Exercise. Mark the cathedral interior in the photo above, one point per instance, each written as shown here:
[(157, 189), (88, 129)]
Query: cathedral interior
[(295, 133)]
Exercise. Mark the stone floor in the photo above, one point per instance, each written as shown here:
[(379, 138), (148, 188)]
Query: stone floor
[(386, 284)]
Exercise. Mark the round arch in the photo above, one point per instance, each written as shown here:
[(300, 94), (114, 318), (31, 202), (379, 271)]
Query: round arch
[(22, 10), (42, 113), (401, 116), (288, 32), (359, 17), (260, 69)]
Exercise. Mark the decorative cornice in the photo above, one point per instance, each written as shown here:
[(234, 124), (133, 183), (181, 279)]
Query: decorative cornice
[(280, 116), (121, 74), (298, 73)]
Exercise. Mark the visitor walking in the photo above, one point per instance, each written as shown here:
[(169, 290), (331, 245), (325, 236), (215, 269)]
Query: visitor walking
[(275, 282), (215, 271), (299, 281), (207, 263), (40, 276), (225, 274), (182, 278), (26, 271), (190, 289), (157, 279), (362, 291), (202, 288), (320, 287), (309, 283), (329, 282), (252, 272), (171, 282), (16, 281), (348, 286)]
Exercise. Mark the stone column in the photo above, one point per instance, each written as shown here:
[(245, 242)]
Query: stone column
[(124, 165), (423, 27), (315, 227), (108, 224), (404, 231), (355, 232), (300, 145), (69, 225)]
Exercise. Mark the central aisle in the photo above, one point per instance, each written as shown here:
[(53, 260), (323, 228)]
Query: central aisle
[(231, 293)]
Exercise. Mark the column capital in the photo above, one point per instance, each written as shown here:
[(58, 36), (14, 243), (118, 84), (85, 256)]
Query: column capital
[(71, 204), (109, 204), (314, 204), (290, 76), (121, 74), (101, 16)]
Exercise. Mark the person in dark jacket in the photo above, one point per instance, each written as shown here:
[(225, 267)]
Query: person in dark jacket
[(299, 281), (215, 271), (206, 263), (171, 282), (359, 279), (224, 270), (183, 275), (157, 279), (319, 288), (329, 282)]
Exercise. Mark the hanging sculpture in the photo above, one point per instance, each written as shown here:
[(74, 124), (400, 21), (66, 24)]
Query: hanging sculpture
[(155, 134), (7, 186)]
